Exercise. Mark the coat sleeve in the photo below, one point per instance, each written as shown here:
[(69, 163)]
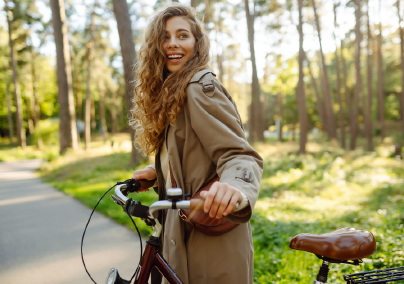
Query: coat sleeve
[(216, 122)]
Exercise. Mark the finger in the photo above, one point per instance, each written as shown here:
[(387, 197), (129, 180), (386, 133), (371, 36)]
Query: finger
[(224, 203), (232, 204), (217, 201), (142, 190), (209, 196), (137, 173)]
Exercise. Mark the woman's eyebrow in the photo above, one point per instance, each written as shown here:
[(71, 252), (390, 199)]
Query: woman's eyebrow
[(179, 30)]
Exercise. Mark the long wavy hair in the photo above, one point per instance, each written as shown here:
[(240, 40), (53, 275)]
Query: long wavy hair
[(159, 96)]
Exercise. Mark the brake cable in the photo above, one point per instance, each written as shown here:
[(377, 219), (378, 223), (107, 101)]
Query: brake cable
[(85, 229)]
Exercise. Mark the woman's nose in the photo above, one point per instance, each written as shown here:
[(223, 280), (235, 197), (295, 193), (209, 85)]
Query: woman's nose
[(172, 42)]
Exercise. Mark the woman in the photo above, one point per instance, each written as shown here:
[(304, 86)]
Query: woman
[(185, 116)]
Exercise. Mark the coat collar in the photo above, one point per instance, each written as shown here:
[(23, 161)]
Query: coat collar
[(201, 73)]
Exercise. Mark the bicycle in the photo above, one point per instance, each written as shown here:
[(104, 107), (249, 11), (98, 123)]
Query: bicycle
[(346, 245)]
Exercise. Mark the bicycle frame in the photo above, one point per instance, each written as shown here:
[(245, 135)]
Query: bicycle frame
[(151, 258)]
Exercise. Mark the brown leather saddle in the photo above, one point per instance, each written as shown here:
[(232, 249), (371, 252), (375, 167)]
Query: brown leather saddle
[(342, 244)]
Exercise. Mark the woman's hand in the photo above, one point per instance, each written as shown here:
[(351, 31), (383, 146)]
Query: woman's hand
[(147, 174), (221, 199)]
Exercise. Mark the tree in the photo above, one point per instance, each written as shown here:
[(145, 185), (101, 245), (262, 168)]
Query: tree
[(346, 89), (89, 59), (358, 85), (380, 93), (328, 102), (367, 106), (337, 71), (300, 88), (67, 115), (17, 91), (9, 115), (401, 98), (127, 42), (256, 129)]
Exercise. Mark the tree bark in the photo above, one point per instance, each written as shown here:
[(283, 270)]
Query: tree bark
[(102, 113), (337, 71), (328, 101), (9, 115), (89, 59), (127, 42), (380, 83), (256, 133), (17, 91), (368, 109), (358, 85), (67, 114), (79, 92), (401, 98), (346, 89), (300, 88)]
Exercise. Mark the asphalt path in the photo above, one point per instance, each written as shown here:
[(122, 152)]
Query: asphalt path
[(41, 229)]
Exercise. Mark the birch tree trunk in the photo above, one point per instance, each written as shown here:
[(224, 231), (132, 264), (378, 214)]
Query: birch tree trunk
[(67, 114), (328, 101), (380, 83), (300, 88), (358, 85), (401, 98), (127, 42), (256, 133), (17, 91), (368, 109), (337, 71)]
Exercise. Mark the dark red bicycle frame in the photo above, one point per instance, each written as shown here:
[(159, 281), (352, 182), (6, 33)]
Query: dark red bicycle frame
[(151, 258)]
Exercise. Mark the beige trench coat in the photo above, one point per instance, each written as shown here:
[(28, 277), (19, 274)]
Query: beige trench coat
[(208, 139)]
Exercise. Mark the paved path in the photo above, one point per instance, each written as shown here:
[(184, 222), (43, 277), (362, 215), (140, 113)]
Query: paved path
[(41, 229)]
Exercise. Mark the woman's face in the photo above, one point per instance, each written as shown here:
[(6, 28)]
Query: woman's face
[(179, 43)]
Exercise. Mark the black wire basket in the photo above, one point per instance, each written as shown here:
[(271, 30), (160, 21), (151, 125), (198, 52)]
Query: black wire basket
[(388, 275)]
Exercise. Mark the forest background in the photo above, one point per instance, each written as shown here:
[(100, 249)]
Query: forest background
[(318, 84)]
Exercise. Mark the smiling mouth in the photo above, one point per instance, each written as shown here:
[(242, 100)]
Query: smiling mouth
[(175, 56)]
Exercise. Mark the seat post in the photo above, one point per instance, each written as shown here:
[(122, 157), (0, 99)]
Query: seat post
[(322, 273)]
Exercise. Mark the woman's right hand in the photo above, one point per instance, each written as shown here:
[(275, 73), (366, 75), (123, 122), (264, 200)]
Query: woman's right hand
[(147, 174)]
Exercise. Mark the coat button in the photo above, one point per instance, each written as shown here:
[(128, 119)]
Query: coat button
[(173, 242)]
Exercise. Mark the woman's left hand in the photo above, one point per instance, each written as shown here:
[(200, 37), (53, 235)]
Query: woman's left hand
[(221, 199)]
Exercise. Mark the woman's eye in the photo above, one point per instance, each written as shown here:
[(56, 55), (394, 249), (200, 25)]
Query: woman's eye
[(183, 36), (165, 37)]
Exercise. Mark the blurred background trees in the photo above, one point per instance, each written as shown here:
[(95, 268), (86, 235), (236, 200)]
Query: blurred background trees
[(297, 69)]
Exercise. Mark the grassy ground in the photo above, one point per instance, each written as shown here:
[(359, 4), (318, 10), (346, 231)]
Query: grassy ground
[(321, 192), (317, 193)]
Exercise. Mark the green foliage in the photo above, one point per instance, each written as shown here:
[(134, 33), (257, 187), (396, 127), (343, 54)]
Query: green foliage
[(47, 131)]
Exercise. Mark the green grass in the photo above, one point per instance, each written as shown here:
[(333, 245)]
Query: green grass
[(327, 189), (321, 192)]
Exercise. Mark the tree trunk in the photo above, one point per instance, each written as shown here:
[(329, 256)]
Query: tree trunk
[(257, 133), (193, 3), (380, 83), (219, 53), (112, 110), (401, 98), (368, 109), (79, 92), (9, 114), (89, 59), (36, 109), (346, 89), (102, 113), (280, 138), (300, 88), (67, 115), (337, 71), (358, 84), (328, 101), (17, 92), (319, 101), (127, 42)]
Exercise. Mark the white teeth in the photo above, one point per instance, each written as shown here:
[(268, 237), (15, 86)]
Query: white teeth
[(175, 56)]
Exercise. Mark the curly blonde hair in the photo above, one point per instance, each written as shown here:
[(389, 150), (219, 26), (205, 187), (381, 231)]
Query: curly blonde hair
[(159, 96)]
